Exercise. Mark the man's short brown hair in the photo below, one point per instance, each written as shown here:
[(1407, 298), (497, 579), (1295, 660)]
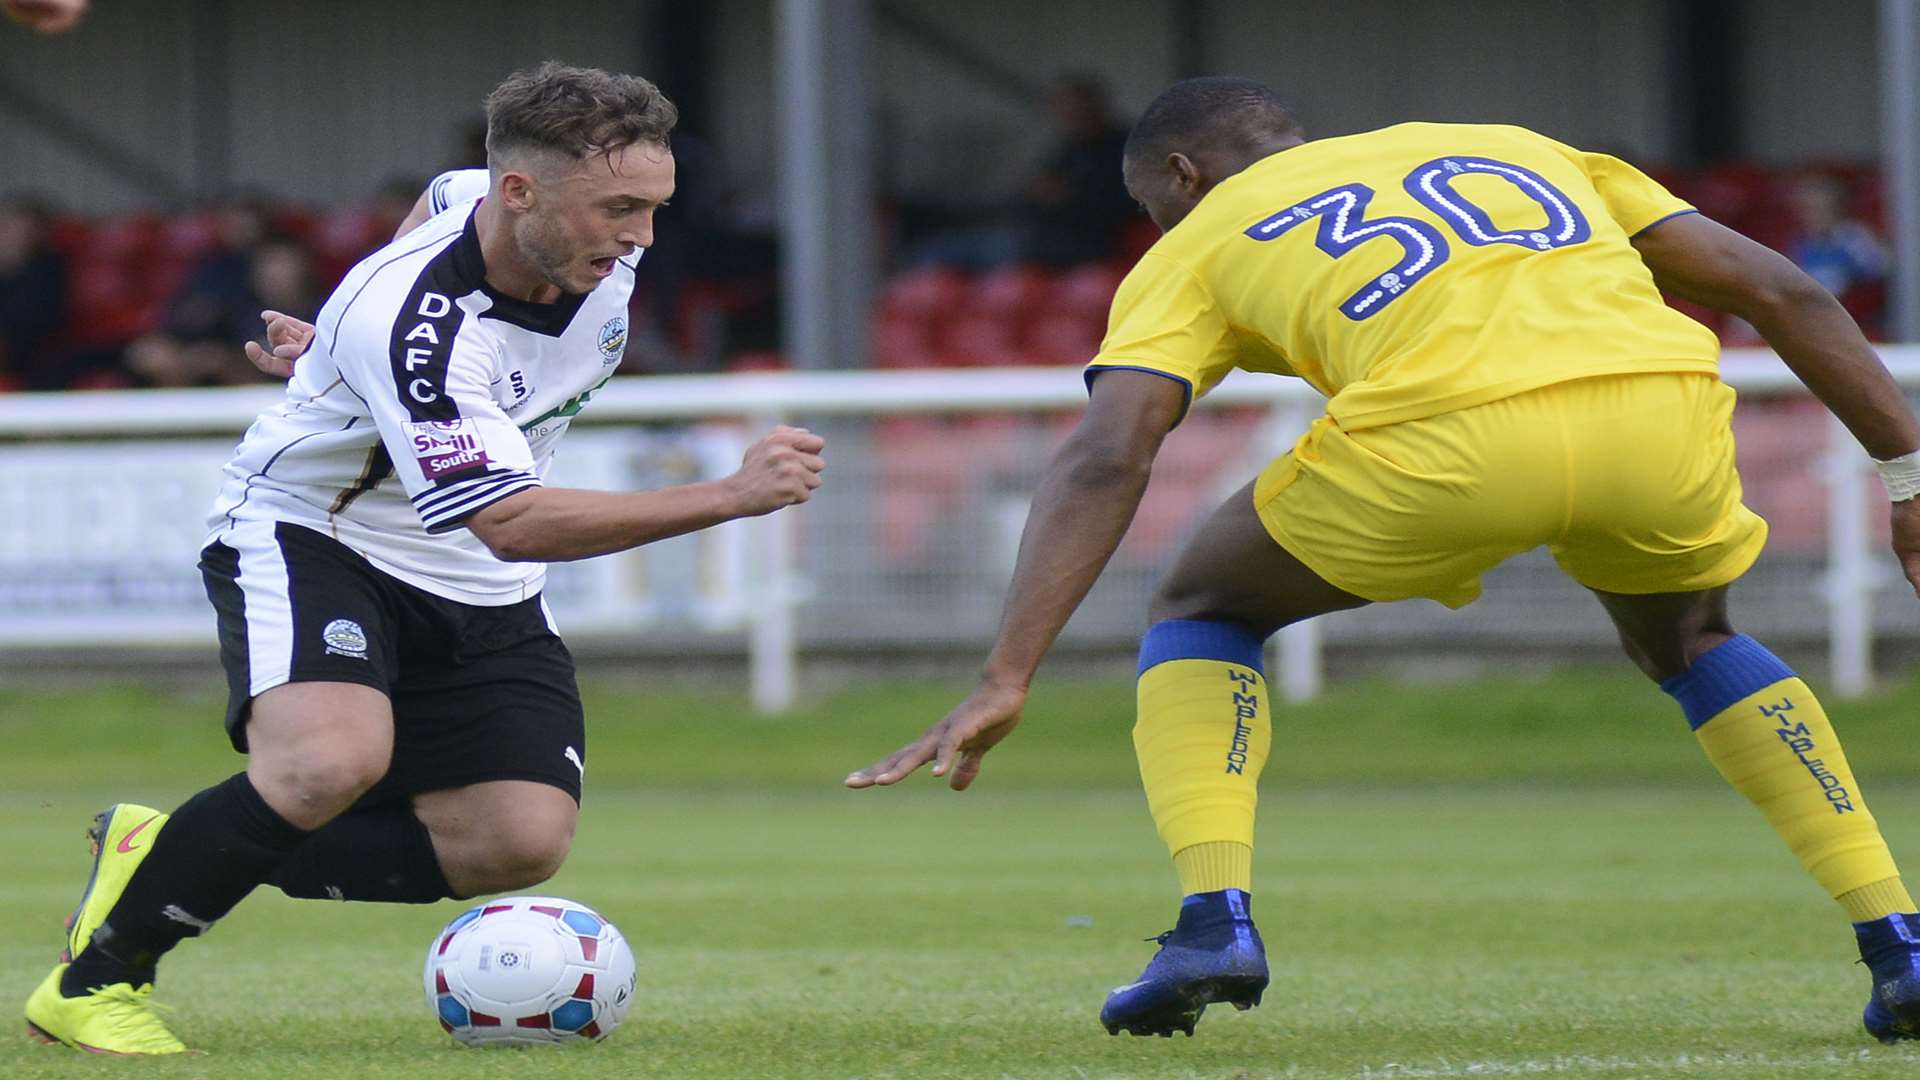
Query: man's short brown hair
[(578, 112)]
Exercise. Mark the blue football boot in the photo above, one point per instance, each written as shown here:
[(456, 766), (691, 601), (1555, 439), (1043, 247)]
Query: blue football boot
[(1213, 953), (1890, 948)]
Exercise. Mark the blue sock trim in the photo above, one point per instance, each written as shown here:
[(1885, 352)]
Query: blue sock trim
[(1229, 896), (1901, 926), (1201, 639), (1723, 675)]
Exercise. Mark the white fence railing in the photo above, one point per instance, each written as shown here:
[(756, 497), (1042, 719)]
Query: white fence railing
[(759, 560)]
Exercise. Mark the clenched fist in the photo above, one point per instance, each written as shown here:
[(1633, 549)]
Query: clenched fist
[(781, 469)]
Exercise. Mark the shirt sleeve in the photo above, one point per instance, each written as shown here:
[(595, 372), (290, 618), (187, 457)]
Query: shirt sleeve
[(1165, 321), (456, 187), (1636, 201), (426, 373)]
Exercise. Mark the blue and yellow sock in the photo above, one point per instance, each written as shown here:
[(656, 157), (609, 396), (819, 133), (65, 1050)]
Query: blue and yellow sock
[(1202, 737), (1767, 734)]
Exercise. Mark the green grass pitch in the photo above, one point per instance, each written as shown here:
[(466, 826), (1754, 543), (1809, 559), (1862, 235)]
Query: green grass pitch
[(1510, 878)]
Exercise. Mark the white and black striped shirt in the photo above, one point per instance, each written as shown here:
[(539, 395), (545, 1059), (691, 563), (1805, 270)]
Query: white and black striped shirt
[(425, 396)]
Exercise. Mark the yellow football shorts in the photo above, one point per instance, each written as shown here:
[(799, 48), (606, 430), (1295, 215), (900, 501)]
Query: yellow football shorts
[(1629, 480)]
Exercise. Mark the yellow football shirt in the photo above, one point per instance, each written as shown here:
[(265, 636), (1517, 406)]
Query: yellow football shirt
[(1410, 271)]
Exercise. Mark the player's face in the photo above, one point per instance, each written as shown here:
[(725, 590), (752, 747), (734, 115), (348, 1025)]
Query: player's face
[(584, 219), (1168, 190)]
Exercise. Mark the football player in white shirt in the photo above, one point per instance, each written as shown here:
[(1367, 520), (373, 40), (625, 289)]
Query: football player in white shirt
[(411, 721)]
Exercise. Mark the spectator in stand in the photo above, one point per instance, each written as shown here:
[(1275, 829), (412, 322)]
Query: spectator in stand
[(1844, 254), (1073, 208), (33, 295), (1076, 204), (702, 240), (221, 303)]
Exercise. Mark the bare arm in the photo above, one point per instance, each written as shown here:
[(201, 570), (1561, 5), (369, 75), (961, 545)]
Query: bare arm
[(563, 524), (1698, 259), (1081, 511)]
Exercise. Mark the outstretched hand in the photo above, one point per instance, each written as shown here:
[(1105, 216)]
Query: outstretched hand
[(1906, 540), (988, 715), (287, 339)]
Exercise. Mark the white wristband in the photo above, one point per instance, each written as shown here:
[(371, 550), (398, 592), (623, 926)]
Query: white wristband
[(1901, 475)]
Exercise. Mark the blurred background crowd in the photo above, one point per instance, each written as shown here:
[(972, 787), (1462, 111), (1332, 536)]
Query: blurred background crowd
[(1009, 263)]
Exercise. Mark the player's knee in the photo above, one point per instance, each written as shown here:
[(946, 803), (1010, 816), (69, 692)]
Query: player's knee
[(1645, 661), (1704, 641), (1176, 598), (524, 857), (1671, 658), (312, 788)]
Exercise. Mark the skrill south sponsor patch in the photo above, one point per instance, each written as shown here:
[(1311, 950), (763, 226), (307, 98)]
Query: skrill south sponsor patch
[(446, 447)]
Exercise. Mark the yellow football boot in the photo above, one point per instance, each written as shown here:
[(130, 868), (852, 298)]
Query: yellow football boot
[(120, 837), (117, 1019)]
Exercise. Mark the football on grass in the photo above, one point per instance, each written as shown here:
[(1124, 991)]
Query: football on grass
[(528, 970)]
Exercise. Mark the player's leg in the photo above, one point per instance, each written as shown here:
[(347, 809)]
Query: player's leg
[(486, 837), (1766, 733), (305, 648), (1420, 509), (1658, 532), (1202, 688), (488, 760), (499, 835), (314, 748), (1202, 734)]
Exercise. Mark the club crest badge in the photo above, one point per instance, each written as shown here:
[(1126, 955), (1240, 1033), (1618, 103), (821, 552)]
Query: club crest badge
[(345, 638), (613, 340)]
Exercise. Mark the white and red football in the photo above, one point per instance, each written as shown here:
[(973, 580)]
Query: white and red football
[(529, 970)]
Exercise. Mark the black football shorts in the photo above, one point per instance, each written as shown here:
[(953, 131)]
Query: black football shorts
[(479, 693)]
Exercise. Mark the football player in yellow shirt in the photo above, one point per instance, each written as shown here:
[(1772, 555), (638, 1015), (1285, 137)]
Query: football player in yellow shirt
[(1481, 305)]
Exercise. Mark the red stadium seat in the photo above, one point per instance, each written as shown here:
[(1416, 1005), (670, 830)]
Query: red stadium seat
[(1086, 289), (191, 236), (102, 380), (107, 303), (901, 340), (1009, 292), (921, 477), (934, 293), (1207, 452), (979, 339), (163, 276), (1730, 190), (1870, 198), (1744, 196), (1772, 439), (294, 222), (761, 360), (133, 236), (1065, 337), (70, 236)]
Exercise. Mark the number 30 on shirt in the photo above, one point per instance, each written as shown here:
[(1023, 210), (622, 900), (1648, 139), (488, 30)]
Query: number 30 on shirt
[(1344, 224)]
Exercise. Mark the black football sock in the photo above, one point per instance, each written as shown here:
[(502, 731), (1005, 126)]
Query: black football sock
[(383, 854), (209, 855)]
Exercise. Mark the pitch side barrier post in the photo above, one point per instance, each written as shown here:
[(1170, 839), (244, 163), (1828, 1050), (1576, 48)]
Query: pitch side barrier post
[(764, 398)]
